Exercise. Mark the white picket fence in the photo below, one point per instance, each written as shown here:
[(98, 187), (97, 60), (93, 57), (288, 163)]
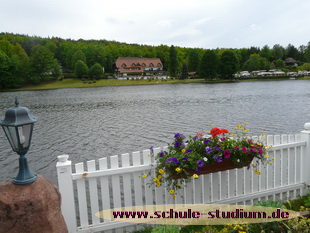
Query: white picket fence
[(116, 182)]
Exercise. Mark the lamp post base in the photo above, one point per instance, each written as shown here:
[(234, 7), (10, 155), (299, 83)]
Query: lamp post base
[(25, 175), (28, 181)]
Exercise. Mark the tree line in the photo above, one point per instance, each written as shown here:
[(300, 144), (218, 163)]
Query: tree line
[(31, 60)]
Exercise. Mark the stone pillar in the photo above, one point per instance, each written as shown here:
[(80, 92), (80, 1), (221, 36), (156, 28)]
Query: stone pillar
[(31, 208)]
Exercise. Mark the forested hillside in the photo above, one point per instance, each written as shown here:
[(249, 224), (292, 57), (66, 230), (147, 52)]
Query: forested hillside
[(32, 60)]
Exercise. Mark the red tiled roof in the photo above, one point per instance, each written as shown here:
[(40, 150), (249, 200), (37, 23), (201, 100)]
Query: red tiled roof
[(136, 62)]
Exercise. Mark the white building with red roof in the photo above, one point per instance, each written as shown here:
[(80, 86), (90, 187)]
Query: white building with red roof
[(125, 66)]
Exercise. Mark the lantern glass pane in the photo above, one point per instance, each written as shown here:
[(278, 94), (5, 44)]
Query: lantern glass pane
[(24, 133), (11, 134)]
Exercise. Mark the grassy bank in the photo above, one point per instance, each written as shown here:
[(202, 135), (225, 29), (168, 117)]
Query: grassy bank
[(76, 83)]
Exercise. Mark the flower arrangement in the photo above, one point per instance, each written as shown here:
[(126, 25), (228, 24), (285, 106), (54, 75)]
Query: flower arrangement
[(190, 157)]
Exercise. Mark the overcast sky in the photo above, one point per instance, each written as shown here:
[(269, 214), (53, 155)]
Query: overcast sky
[(184, 23)]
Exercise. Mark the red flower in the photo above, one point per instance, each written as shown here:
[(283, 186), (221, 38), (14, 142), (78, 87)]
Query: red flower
[(216, 131)]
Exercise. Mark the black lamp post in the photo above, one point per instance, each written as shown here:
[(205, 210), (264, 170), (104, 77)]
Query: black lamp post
[(18, 125)]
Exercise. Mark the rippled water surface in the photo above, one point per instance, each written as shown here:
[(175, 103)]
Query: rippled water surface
[(90, 123)]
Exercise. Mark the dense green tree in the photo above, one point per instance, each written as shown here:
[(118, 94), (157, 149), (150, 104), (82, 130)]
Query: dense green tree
[(96, 71), (6, 47), (80, 69), (184, 72), (253, 50), (193, 60), (279, 63), (21, 61), (56, 71), (243, 55), (5, 71), (256, 62), (229, 64), (173, 61), (208, 67), (292, 51), (266, 53), (108, 64), (305, 66), (307, 53), (42, 63), (94, 54), (78, 55), (278, 52)]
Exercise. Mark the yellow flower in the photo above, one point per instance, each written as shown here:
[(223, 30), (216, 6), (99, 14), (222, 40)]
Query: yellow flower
[(155, 179), (148, 155), (171, 191), (259, 143), (257, 172), (174, 196), (195, 176), (273, 159), (159, 177), (183, 150), (262, 134), (245, 123), (267, 156), (302, 208), (158, 184), (178, 169), (161, 171), (144, 176), (253, 165)]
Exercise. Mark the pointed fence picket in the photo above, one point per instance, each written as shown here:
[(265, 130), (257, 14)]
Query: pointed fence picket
[(116, 182)]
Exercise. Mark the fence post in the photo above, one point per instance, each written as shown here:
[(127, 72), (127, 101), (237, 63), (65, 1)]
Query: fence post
[(305, 136), (65, 184)]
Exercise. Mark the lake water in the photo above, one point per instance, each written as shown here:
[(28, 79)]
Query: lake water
[(90, 123)]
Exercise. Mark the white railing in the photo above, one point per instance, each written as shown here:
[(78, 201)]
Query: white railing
[(117, 183)]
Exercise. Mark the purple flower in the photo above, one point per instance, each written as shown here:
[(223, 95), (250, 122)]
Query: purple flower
[(152, 149), (161, 154), (197, 170), (172, 160), (188, 150), (237, 148), (200, 163), (208, 150), (178, 135), (223, 139), (177, 144), (227, 154), (185, 159), (206, 141), (218, 159), (217, 148)]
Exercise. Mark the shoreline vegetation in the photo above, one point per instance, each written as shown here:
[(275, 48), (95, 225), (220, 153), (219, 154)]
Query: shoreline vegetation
[(77, 83)]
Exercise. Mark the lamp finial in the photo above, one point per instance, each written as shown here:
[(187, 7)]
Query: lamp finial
[(16, 102)]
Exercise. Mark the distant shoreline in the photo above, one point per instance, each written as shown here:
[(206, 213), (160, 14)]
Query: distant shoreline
[(76, 83)]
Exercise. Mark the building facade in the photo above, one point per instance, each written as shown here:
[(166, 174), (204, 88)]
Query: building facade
[(136, 66)]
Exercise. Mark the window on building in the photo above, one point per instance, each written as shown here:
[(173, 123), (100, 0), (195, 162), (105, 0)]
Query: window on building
[(133, 64), (159, 65), (151, 64), (124, 64), (143, 64)]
